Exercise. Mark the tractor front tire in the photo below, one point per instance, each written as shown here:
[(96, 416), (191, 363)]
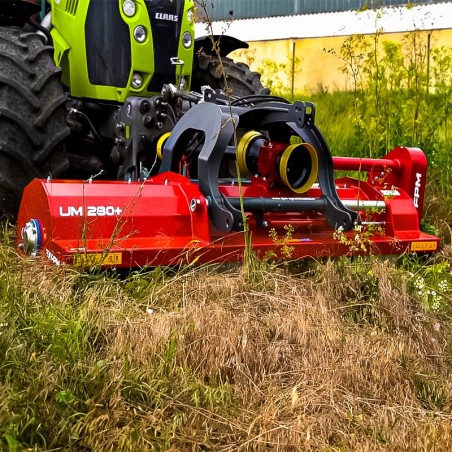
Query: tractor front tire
[(240, 80), (32, 116)]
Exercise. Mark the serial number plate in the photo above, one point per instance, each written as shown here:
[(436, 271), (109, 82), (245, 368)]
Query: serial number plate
[(424, 246), (88, 260)]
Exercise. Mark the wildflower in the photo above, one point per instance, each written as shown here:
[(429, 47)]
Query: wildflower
[(443, 285), (419, 283)]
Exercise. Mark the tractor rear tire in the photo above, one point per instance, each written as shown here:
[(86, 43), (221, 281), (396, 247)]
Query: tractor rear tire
[(241, 81), (32, 116)]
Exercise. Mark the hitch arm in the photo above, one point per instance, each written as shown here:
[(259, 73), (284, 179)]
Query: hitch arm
[(217, 127)]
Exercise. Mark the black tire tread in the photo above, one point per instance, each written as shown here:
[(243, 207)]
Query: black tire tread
[(34, 100), (49, 110), (43, 78), (17, 157), (33, 113), (241, 81), (12, 58)]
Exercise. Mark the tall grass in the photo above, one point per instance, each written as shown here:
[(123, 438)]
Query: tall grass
[(335, 113), (324, 356), (401, 96)]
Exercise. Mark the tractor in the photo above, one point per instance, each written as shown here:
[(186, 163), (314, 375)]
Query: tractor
[(90, 86), (128, 143)]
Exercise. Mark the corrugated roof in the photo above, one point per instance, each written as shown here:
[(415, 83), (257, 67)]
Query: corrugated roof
[(240, 9), (391, 20)]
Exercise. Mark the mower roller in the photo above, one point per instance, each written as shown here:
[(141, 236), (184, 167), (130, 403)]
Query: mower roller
[(259, 160)]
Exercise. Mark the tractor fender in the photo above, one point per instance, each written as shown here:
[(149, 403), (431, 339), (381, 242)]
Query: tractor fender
[(61, 52), (17, 12), (227, 45)]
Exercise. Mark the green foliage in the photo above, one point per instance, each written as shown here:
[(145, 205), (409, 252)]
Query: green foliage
[(401, 96), (57, 378), (360, 291), (142, 282), (430, 283), (282, 243), (431, 392), (360, 240), (278, 77)]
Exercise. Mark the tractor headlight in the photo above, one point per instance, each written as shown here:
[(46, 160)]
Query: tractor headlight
[(187, 40), (137, 80), (129, 8), (140, 34)]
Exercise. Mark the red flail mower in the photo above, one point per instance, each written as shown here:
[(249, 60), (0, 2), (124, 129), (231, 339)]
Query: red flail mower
[(279, 179)]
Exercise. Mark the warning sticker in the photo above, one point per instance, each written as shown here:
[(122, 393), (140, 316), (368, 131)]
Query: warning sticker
[(424, 246), (89, 260)]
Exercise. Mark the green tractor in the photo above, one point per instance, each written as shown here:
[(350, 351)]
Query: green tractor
[(93, 87)]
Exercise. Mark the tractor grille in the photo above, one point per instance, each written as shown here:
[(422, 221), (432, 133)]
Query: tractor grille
[(71, 6), (107, 44), (166, 19)]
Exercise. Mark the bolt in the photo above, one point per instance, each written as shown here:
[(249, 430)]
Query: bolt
[(194, 204), (145, 106), (148, 121), (120, 141)]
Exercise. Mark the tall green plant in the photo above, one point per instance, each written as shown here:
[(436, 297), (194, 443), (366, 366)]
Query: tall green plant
[(402, 93), (442, 76), (249, 258)]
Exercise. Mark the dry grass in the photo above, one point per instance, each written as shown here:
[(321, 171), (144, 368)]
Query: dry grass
[(339, 357)]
